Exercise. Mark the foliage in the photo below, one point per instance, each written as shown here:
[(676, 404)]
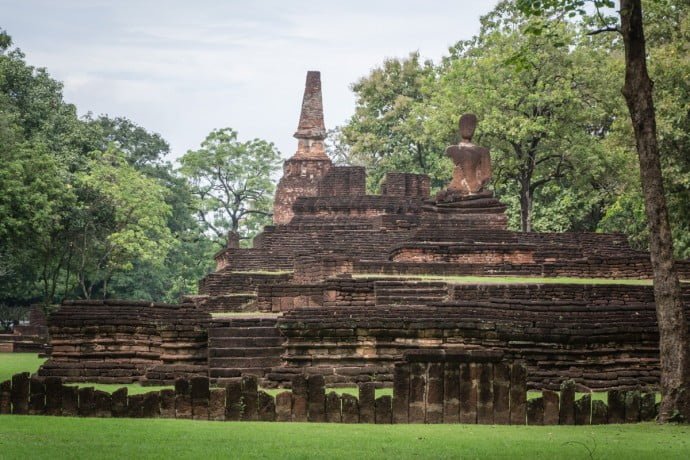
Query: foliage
[(547, 92), (86, 202), (384, 134), (638, 91), (542, 117), (231, 181), (128, 221), (11, 316)]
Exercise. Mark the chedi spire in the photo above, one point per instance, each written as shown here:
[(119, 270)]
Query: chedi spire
[(305, 169), (311, 130)]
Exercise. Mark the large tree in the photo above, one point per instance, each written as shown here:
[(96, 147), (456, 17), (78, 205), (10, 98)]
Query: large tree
[(125, 220), (674, 347), (384, 134), (232, 183), (88, 207), (543, 109)]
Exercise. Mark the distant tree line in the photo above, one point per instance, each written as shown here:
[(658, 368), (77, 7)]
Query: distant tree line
[(90, 208), (551, 110)]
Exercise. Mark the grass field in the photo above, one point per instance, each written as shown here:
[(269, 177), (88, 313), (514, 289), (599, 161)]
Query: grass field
[(14, 363), (513, 279), (54, 437)]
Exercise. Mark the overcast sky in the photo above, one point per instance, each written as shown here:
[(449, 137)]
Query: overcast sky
[(183, 68)]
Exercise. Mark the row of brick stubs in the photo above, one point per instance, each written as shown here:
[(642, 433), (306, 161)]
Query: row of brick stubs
[(601, 336), (440, 391)]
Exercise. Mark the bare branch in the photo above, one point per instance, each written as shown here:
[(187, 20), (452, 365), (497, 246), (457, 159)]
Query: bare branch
[(604, 30)]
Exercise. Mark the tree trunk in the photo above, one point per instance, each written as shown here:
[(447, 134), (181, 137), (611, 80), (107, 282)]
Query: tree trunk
[(673, 329), (525, 208)]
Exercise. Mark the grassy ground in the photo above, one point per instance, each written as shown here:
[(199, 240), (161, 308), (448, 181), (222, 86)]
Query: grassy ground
[(14, 363), (54, 437), (512, 279)]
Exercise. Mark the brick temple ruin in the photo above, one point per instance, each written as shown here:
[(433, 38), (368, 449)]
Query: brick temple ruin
[(334, 289)]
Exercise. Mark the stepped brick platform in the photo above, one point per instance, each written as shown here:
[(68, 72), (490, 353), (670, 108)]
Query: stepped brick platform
[(116, 341), (601, 336), (238, 346), (324, 271)]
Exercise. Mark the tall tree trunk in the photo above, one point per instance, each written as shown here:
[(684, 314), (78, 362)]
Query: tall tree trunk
[(673, 328), (525, 208)]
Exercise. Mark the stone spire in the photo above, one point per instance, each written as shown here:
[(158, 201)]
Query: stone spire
[(305, 169), (311, 130)]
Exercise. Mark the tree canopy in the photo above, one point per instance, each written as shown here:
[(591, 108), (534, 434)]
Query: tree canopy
[(232, 184), (90, 207), (550, 110)]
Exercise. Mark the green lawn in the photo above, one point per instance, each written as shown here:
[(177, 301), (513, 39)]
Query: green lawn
[(14, 363), (512, 279), (54, 437)]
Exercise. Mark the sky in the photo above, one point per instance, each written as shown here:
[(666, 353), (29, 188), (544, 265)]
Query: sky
[(182, 68)]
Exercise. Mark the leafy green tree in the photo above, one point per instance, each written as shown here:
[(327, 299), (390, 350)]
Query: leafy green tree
[(191, 256), (668, 32), (10, 316), (44, 145), (128, 221), (674, 340), (384, 134), (542, 116), (231, 181), (73, 220), (141, 148)]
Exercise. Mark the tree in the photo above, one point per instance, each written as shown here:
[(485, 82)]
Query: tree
[(542, 115), (11, 316), (674, 347), (384, 134), (125, 220), (231, 181), (191, 255), (88, 207), (141, 148)]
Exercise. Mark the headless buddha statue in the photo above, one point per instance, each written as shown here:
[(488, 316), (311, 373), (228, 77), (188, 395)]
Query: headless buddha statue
[(472, 163)]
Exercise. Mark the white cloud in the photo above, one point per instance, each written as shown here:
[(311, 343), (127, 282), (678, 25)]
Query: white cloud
[(183, 68)]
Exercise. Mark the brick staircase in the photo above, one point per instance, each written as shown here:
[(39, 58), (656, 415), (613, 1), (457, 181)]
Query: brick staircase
[(250, 345), (410, 292)]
